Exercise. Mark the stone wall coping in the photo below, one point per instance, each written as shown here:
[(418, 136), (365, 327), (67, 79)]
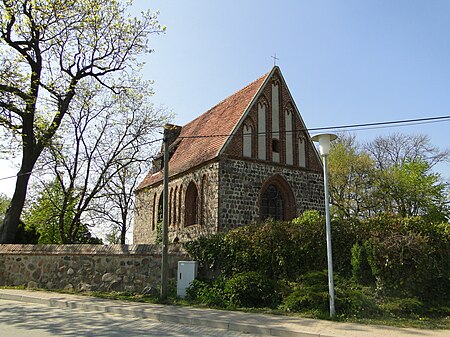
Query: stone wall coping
[(86, 249)]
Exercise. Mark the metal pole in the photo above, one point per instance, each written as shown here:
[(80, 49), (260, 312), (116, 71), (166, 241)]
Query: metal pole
[(164, 262), (328, 228)]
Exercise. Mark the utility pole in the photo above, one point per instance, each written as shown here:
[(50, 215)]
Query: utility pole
[(165, 229)]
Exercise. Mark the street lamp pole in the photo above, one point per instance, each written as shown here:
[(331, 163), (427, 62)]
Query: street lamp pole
[(324, 140)]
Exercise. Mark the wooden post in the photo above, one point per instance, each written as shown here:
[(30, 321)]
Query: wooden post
[(165, 229)]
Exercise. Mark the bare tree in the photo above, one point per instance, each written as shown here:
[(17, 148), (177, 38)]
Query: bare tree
[(105, 141), (115, 208), (397, 148), (48, 49)]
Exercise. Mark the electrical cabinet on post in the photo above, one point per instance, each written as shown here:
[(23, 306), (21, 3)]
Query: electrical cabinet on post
[(187, 272)]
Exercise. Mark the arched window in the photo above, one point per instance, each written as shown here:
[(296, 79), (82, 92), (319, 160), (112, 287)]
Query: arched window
[(247, 134), (272, 204), (160, 209), (289, 122), (170, 206), (262, 111), (191, 205), (276, 200), (155, 213), (204, 200), (180, 217), (301, 151), (175, 205)]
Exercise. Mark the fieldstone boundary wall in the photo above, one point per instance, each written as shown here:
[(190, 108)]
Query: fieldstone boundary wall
[(84, 267)]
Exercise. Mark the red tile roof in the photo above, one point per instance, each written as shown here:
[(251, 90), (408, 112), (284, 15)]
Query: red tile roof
[(194, 148)]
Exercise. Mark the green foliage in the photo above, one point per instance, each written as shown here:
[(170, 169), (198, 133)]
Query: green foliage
[(26, 234), (351, 171), (251, 290), (410, 189), (208, 250), (53, 51), (354, 300), (4, 203), (310, 294), (409, 256), (389, 175), (386, 256), (361, 270), (210, 293), (159, 234), (403, 306), (278, 250), (309, 242), (52, 218), (243, 290)]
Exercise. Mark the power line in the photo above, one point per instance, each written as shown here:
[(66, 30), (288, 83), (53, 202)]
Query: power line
[(404, 121), (360, 126)]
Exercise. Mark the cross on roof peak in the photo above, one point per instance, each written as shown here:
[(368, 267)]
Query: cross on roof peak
[(275, 59)]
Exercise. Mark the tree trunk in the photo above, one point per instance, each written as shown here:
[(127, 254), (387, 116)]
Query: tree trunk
[(8, 228), (123, 226), (123, 233)]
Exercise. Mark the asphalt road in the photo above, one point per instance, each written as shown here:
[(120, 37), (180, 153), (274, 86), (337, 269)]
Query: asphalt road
[(19, 319)]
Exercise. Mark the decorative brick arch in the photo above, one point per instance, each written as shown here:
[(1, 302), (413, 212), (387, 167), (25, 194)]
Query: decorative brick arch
[(175, 206), (204, 200), (277, 184), (160, 210), (180, 195), (192, 203), (170, 207), (249, 138), (155, 213), (263, 101)]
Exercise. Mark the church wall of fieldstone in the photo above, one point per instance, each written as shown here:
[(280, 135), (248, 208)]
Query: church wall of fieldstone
[(241, 182), (143, 210), (206, 179)]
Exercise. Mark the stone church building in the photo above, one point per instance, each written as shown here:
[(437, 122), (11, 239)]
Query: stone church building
[(246, 159)]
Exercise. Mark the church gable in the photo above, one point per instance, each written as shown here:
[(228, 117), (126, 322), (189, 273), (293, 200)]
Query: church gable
[(272, 130)]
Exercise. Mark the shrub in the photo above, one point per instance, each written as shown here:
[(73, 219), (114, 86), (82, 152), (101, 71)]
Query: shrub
[(403, 257), (403, 306), (361, 270), (278, 250), (354, 301), (251, 289), (210, 293), (411, 258), (311, 294), (208, 251)]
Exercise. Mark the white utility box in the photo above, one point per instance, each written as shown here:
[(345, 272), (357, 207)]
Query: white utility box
[(187, 272)]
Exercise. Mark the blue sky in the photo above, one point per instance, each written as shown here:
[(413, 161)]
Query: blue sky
[(345, 62)]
